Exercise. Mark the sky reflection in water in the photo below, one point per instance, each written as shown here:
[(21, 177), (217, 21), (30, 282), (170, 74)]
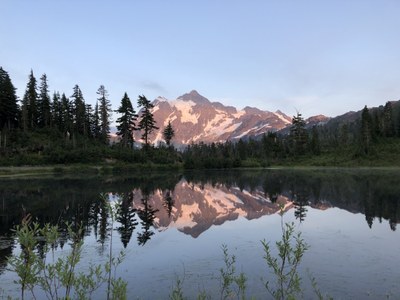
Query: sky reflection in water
[(180, 224)]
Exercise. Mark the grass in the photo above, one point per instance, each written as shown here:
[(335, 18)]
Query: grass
[(90, 169)]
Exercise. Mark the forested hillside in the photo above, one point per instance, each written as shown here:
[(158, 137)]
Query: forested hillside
[(40, 129)]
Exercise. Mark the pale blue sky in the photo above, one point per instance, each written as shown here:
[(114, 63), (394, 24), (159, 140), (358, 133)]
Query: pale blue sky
[(320, 56)]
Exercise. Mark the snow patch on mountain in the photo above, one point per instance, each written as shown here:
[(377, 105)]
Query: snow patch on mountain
[(283, 117), (195, 119), (186, 110), (239, 114), (186, 216), (245, 133)]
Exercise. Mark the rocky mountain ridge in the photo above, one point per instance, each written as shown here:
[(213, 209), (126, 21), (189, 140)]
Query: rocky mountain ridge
[(197, 119)]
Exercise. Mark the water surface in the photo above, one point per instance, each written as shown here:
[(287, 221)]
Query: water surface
[(173, 226)]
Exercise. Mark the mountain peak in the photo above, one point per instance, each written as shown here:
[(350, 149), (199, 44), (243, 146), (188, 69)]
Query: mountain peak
[(195, 97), (196, 119)]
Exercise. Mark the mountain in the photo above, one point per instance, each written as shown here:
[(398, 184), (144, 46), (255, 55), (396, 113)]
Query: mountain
[(196, 208), (197, 119)]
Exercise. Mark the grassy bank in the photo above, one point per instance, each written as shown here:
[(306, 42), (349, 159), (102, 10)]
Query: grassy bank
[(88, 169)]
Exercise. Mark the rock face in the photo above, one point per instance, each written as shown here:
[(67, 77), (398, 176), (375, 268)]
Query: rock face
[(196, 119)]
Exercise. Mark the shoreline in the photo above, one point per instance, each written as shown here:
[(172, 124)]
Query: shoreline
[(83, 169)]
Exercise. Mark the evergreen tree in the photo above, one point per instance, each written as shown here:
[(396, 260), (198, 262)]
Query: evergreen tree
[(398, 123), (78, 110), (376, 124), (126, 123), (29, 104), (89, 120), (67, 115), (388, 122), (44, 111), (270, 145), (298, 135), (315, 143), (168, 133), (366, 132), (105, 113), (96, 122), (8, 102), (57, 111), (147, 122), (242, 149)]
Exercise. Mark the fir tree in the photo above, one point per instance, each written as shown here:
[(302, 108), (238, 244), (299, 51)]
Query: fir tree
[(147, 122), (315, 143), (298, 135), (29, 104), (57, 111), (44, 111), (104, 113), (8, 102), (89, 120), (96, 122), (67, 115), (78, 110), (168, 133), (366, 132), (126, 123), (388, 122)]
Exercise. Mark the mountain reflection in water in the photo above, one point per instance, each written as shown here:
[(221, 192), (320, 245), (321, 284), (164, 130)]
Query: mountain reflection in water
[(192, 202)]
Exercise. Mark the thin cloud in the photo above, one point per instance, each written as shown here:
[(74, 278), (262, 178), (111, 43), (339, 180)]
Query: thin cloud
[(154, 87)]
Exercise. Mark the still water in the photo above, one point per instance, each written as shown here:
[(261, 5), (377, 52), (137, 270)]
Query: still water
[(173, 225)]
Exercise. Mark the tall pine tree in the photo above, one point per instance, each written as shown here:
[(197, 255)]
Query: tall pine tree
[(298, 135), (168, 133), (29, 104), (8, 102), (104, 113), (388, 122), (96, 122), (365, 143), (78, 110), (67, 116), (57, 111), (8, 107), (147, 122), (126, 123), (44, 110)]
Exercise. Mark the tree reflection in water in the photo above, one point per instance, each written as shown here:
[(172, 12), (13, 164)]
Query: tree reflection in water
[(157, 200), (147, 216), (168, 202), (126, 216)]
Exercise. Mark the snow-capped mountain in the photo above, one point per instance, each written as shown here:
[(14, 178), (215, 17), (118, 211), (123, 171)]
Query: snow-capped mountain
[(196, 119), (197, 207)]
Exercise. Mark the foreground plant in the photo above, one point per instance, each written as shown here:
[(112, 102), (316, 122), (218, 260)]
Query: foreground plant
[(231, 283), (58, 278), (25, 265), (285, 268)]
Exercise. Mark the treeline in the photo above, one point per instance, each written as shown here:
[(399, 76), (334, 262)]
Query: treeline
[(370, 137), (41, 129)]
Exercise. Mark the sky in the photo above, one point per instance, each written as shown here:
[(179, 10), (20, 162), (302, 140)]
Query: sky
[(316, 57)]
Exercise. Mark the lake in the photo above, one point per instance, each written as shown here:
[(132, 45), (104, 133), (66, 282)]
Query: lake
[(173, 225)]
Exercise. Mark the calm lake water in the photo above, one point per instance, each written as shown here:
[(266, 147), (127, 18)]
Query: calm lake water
[(173, 226)]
